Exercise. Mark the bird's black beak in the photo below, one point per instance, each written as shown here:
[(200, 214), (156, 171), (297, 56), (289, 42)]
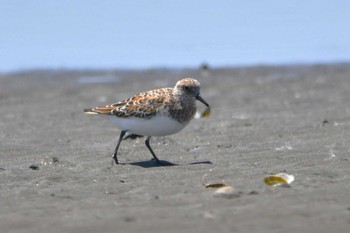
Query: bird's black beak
[(198, 97)]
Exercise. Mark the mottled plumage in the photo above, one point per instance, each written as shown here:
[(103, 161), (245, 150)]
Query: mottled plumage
[(156, 112), (143, 105)]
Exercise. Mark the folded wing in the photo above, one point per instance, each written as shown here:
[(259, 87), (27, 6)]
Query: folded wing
[(143, 105)]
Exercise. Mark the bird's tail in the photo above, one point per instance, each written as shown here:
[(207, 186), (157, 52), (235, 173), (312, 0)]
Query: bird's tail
[(99, 110)]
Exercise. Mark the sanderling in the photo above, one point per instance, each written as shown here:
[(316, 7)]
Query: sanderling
[(158, 112)]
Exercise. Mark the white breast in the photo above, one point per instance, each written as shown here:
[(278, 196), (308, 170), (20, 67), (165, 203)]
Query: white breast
[(155, 126)]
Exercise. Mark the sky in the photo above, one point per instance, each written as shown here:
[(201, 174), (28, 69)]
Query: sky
[(90, 34)]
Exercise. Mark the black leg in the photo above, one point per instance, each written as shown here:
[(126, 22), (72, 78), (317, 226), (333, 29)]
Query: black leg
[(150, 149), (117, 147)]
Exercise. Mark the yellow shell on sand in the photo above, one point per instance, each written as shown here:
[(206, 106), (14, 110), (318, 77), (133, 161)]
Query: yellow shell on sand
[(279, 179)]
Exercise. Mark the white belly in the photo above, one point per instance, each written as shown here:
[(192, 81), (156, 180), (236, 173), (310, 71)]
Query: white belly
[(155, 126)]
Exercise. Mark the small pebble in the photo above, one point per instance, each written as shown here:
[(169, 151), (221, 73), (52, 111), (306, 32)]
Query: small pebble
[(55, 160), (325, 122), (224, 145), (34, 167), (253, 192)]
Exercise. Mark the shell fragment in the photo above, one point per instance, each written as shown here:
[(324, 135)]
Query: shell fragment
[(204, 114), (280, 179), (212, 185)]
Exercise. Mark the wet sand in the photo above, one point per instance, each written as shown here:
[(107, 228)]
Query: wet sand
[(55, 165)]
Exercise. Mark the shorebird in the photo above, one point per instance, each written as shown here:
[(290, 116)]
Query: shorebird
[(158, 112)]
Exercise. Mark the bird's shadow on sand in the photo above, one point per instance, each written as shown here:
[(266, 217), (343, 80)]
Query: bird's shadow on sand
[(164, 163)]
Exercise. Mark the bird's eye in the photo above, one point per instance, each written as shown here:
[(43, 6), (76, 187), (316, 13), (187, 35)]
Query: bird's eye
[(187, 88)]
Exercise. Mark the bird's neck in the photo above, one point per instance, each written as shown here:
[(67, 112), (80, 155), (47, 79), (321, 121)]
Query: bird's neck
[(185, 109)]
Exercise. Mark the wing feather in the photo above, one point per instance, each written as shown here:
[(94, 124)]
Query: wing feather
[(143, 105)]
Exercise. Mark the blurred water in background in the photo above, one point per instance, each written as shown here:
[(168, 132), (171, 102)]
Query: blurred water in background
[(142, 34)]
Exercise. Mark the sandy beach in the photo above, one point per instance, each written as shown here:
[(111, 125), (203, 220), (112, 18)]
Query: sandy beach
[(55, 161)]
